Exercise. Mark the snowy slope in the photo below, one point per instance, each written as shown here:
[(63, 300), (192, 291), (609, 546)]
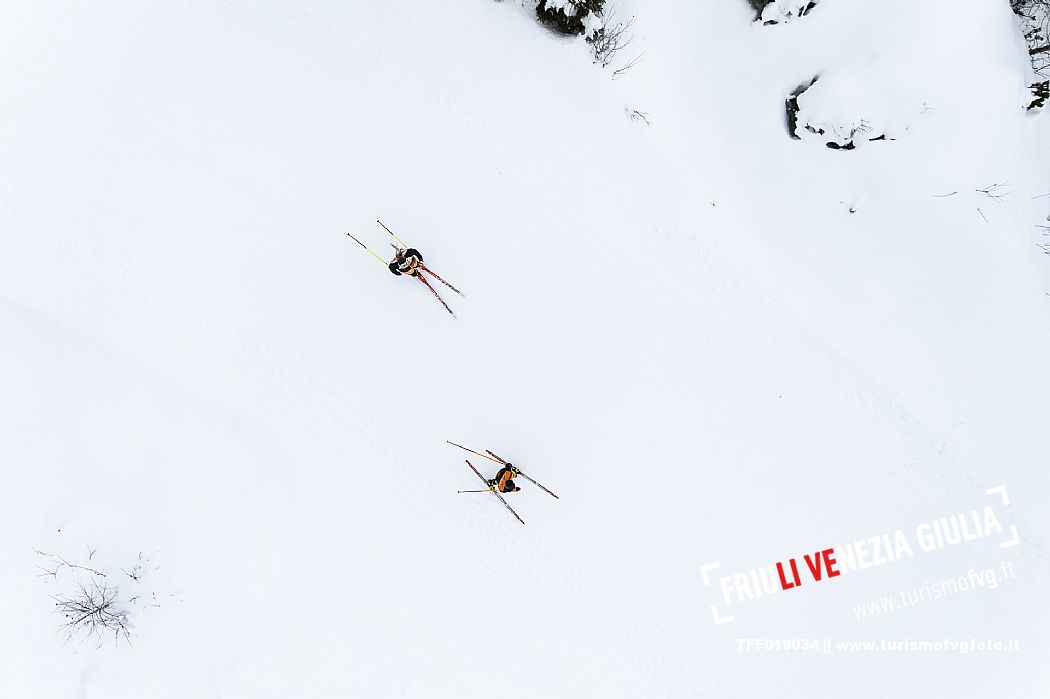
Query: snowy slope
[(681, 328)]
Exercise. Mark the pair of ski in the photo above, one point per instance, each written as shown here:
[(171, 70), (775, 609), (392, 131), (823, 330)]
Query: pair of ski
[(418, 275), (503, 462)]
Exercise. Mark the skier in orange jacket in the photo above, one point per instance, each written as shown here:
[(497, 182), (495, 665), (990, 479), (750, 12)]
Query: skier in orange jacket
[(503, 481)]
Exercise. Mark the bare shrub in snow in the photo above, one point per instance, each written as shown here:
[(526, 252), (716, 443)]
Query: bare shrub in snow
[(1045, 247), (610, 38), (568, 16), (637, 115), (93, 604), (1035, 24), (607, 35), (996, 191), (1040, 94), (94, 610)]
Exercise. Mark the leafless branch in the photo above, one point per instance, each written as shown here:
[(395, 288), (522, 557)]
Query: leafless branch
[(1034, 17), (90, 602), (611, 37), (94, 611), (995, 191), (637, 115), (137, 570), (627, 66), (57, 563)]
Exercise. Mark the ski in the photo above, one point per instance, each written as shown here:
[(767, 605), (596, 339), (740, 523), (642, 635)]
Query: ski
[(526, 477), (434, 274), (495, 492), (420, 278), (538, 485)]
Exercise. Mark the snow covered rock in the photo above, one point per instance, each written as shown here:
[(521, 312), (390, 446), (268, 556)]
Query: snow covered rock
[(780, 11), (791, 104), (846, 110), (569, 16)]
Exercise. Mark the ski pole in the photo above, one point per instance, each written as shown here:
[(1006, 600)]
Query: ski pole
[(487, 490), (393, 234), (381, 260), (474, 452)]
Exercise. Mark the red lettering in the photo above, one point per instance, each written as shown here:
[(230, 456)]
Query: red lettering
[(814, 565), (829, 562)]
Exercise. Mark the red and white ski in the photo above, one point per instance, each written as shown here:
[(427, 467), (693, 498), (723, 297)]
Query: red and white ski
[(523, 475), (495, 492)]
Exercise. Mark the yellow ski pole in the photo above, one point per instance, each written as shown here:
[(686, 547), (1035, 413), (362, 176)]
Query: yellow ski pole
[(474, 452), (381, 260), (393, 234)]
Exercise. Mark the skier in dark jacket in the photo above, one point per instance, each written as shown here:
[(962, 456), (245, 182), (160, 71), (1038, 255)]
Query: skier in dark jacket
[(502, 482), (406, 261)]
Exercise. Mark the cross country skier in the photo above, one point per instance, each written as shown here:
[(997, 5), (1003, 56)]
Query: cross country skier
[(503, 482), (408, 262)]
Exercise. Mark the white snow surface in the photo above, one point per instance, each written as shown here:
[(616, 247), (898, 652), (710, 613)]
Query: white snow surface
[(715, 343)]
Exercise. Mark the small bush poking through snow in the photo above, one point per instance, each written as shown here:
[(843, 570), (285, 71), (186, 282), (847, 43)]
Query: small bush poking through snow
[(94, 610), (596, 20), (1040, 93), (610, 38), (1035, 24), (93, 602), (568, 16), (637, 115)]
